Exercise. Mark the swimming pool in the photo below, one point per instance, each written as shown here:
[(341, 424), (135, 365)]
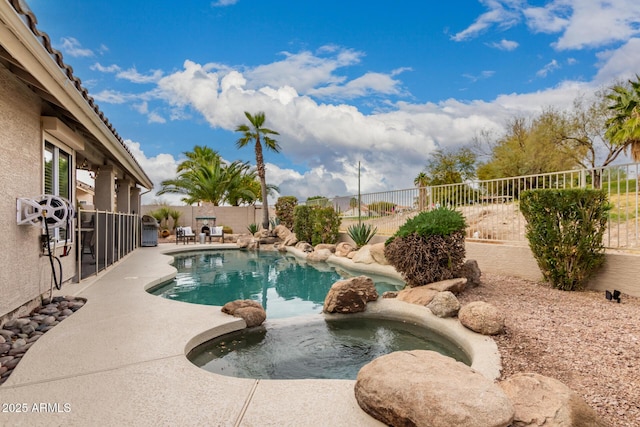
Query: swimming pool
[(285, 285)]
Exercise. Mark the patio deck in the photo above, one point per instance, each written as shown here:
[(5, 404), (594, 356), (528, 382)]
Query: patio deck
[(120, 360)]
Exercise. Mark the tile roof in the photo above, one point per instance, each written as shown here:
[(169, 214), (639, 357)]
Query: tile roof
[(31, 21)]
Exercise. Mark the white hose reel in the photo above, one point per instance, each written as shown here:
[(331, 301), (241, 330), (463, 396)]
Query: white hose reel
[(56, 210)]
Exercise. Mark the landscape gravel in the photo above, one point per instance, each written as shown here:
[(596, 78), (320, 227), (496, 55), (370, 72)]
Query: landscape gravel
[(580, 338)]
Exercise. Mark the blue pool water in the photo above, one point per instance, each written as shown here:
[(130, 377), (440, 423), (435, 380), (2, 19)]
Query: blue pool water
[(285, 286)]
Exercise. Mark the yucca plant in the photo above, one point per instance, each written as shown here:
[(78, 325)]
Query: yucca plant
[(253, 228), (361, 233)]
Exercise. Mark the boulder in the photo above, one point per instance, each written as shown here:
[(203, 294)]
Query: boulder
[(254, 244), (243, 241), (262, 234), (250, 311), (471, 272), (281, 231), (304, 247), (419, 295), (290, 240), (319, 255), (329, 246), (350, 295), (452, 285), (363, 255), (351, 254), (482, 317), (343, 249), (425, 388), (544, 401), (377, 253), (444, 304), (390, 294)]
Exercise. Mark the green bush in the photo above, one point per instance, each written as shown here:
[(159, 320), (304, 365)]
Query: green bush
[(253, 228), (302, 223), (428, 247), (315, 224), (227, 230), (565, 230), (326, 225), (361, 233), (284, 210)]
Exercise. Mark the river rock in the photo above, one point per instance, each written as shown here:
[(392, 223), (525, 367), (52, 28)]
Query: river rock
[(444, 304), (544, 401), (482, 317), (425, 388), (363, 255), (471, 271), (350, 295), (329, 246), (319, 255), (304, 247)]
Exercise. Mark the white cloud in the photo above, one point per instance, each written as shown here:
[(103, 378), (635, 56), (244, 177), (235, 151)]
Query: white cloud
[(549, 68), (113, 68), (504, 14), (134, 76), (111, 97), (154, 117), (483, 75), (72, 47), (504, 44), (222, 3), (619, 64)]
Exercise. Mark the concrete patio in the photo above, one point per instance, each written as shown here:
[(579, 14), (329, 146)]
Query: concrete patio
[(120, 360)]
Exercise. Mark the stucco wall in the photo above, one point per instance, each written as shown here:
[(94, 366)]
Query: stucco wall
[(24, 274)]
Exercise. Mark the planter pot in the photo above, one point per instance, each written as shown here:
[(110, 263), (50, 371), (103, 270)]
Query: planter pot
[(165, 232)]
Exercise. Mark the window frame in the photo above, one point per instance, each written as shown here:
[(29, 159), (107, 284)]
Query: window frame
[(51, 144)]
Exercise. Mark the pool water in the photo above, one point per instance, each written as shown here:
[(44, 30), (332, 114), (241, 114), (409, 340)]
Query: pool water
[(334, 349), (285, 286)]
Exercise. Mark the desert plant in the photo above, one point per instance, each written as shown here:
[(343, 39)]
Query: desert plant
[(175, 216), (361, 233), (274, 222), (325, 225), (565, 230), (428, 247), (302, 223), (227, 230), (284, 210), (253, 228)]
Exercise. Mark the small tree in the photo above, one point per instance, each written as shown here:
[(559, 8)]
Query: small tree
[(284, 210), (565, 230), (428, 247)]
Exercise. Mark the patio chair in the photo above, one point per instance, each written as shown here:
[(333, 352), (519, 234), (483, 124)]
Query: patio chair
[(217, 232), (184, 235)]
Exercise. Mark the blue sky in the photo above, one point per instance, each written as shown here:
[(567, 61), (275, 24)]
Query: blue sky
[(384, 83)]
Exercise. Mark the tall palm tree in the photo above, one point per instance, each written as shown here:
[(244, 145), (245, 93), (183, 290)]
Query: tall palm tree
[(624, 127), (256, 133), (421, 181)]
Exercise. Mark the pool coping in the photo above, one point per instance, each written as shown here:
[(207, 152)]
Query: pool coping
[(121, 360)]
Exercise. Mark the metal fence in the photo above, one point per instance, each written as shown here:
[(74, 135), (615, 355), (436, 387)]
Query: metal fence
[(491, 208), (104, 238)]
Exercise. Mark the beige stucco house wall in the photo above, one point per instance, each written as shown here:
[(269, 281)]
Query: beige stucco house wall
[(40, 99)]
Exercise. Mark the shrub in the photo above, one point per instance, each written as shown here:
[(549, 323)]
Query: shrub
[(284, 210), (428, 247), (325, 224), (227, 230), (565, 230), (361, 233), (316, 225), (302, 223), (253, 228)]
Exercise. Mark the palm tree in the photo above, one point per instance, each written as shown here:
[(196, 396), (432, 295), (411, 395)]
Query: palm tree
[(624, 127), (421, 181), (258, 134)]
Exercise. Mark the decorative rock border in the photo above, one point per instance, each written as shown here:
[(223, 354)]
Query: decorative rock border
[(18, 335)]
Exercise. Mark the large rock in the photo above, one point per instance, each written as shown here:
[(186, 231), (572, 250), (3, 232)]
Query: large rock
[(418, 295), (544, 401), (425, 388), (350, 295), (482, 317), (281, 231), (331, 247), (249, 310), (262, 234), (343, 249), (244, 241), (444, 304), (290, 240), (304, 247), (455, 286), (363, 255), (319, 255), (471, 272), (377, 253)]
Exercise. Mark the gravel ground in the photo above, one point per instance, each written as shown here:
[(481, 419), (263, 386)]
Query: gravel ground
[(579, 338)]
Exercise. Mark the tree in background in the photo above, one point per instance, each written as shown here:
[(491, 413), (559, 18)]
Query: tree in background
[(623, 129), (422, 182), (448, 167), (257, 134)]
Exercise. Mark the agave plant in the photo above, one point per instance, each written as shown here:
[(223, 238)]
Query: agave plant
[(361, 233), (253, 228)]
